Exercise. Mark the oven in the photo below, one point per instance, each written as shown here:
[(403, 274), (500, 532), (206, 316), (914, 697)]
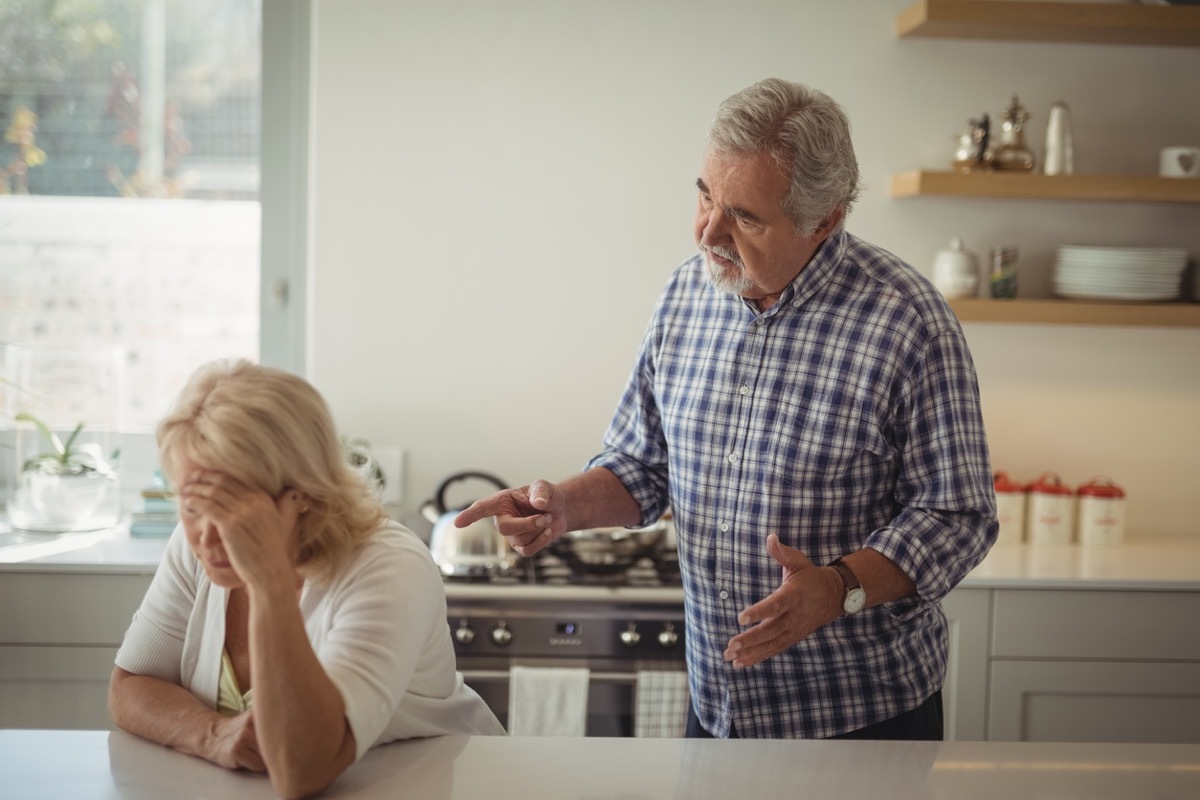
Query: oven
[(623, 628)]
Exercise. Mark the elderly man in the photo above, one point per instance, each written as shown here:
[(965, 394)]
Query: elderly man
[(806, 405)]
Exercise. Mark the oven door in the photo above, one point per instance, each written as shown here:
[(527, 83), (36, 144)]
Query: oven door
[(612, 688)]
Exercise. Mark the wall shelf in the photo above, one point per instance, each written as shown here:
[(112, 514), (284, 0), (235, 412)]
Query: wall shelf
[(1072, 312), (1019, 20), (1133, 188)]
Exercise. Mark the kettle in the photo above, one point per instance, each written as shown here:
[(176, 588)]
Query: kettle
[(478, 549)]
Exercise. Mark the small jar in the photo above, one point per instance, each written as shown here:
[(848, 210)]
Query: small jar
[(1010, 509), (1004, 272), (1101, 513), (1051, 511)]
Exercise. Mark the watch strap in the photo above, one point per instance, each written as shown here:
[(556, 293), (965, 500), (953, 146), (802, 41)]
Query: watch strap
[(849, 579)]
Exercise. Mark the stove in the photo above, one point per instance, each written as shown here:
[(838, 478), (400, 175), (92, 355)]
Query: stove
[(547, 569), (541, 612)]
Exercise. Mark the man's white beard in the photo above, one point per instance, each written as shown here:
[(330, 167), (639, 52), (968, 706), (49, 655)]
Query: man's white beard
[(735, 284)]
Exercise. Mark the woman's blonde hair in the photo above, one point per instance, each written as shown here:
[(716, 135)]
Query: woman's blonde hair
[(273, 431)]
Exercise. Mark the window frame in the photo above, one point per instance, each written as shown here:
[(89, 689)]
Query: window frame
[(284, 169)]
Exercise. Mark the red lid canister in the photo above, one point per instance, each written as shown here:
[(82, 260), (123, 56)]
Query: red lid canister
[(1101, 487), (1005, 484), (1049, 483)]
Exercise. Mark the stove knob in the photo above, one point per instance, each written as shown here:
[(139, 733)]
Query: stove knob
[(667, 637), (630, 637), (502, 635), (463, 634)]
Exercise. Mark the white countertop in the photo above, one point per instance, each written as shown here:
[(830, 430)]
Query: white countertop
[(110, 550), (1167, 564), (81, 765)]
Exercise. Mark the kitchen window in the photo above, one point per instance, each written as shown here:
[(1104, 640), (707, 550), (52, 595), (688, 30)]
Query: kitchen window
[(129, 184)]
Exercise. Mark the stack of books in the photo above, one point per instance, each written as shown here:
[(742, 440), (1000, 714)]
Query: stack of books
[(158, 514)]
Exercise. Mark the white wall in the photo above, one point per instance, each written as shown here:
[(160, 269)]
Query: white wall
[(501, 189)]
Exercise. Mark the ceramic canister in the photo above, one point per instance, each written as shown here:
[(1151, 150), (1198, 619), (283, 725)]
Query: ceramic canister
[(1051, 511), (1010, 509), (956, 270), (1101, 513)]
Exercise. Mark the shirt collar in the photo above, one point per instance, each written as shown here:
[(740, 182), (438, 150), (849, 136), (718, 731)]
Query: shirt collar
[(814, 275)]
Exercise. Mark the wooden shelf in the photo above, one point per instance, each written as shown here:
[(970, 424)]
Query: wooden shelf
[(1134, 188), (1097, 23), (1071, 312)]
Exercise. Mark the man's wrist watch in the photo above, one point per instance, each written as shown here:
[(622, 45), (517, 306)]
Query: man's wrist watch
[(855, 597)]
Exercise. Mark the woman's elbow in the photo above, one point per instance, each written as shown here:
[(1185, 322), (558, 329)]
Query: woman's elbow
[(300, 783), (305, 778), (117, 696), (297, 790)]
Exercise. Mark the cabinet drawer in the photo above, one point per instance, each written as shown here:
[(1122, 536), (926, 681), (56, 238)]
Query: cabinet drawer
[(55, 687), (68, 608), (1108, 625), (1094, 701)]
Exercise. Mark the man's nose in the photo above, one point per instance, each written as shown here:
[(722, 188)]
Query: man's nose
[(715, 228)]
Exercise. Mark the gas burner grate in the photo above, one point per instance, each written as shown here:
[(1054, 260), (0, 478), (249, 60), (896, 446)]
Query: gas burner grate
[(547, 569)]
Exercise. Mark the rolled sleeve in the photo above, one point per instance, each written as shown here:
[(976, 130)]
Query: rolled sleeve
[(635, 448), (948, 519)]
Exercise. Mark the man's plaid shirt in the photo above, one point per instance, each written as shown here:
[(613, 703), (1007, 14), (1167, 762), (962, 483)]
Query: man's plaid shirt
[(845, 416)]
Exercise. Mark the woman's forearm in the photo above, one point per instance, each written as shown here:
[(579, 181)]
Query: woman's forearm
[(300, 717), (163, 712)]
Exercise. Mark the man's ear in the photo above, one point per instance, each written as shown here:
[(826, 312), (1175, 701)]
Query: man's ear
[(830, 223)]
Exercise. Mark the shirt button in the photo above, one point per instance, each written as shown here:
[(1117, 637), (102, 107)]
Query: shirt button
[(795, 304), (725, 527), (733, 459), (724, 595), (760, 322), (744, 390)]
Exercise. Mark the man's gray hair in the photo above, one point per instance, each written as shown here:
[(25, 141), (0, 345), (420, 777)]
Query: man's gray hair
[(808, 135)]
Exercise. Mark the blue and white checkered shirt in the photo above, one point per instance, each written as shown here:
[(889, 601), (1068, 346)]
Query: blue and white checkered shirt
[(846, 416)]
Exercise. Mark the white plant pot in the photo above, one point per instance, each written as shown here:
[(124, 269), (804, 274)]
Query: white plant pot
[(63, 503)]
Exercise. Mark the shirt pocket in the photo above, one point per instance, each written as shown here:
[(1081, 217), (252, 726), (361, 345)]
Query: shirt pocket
[(827, 441)]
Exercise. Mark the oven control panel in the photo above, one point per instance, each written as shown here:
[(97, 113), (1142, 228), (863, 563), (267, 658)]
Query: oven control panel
[(568, 636)]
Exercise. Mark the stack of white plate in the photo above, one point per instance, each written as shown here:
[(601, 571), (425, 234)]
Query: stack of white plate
[(1119, 273)]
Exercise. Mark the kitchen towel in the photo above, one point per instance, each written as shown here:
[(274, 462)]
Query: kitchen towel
[(662, 704), (547, 701)]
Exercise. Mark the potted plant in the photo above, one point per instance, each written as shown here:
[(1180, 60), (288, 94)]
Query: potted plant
[(358, 453), (69, 486)]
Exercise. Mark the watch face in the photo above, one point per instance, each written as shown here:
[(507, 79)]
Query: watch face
[(855, 600)]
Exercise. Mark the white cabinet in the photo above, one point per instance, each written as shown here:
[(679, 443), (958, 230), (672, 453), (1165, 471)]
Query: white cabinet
[(1094, 666), (1095, 701), (58, 636), (964, 697), (1073, 665)]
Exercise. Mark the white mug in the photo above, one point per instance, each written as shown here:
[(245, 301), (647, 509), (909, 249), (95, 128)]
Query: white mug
[(1179, 162)]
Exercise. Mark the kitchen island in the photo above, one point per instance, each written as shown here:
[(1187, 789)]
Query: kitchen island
[(81, 765)]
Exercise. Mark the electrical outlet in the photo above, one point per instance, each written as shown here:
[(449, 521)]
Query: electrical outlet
[(390, 459)]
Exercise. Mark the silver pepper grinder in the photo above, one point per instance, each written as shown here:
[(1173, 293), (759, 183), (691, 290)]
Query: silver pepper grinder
[(1059, 158)]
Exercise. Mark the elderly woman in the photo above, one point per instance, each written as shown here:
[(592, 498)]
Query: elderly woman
[(291, 625)]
